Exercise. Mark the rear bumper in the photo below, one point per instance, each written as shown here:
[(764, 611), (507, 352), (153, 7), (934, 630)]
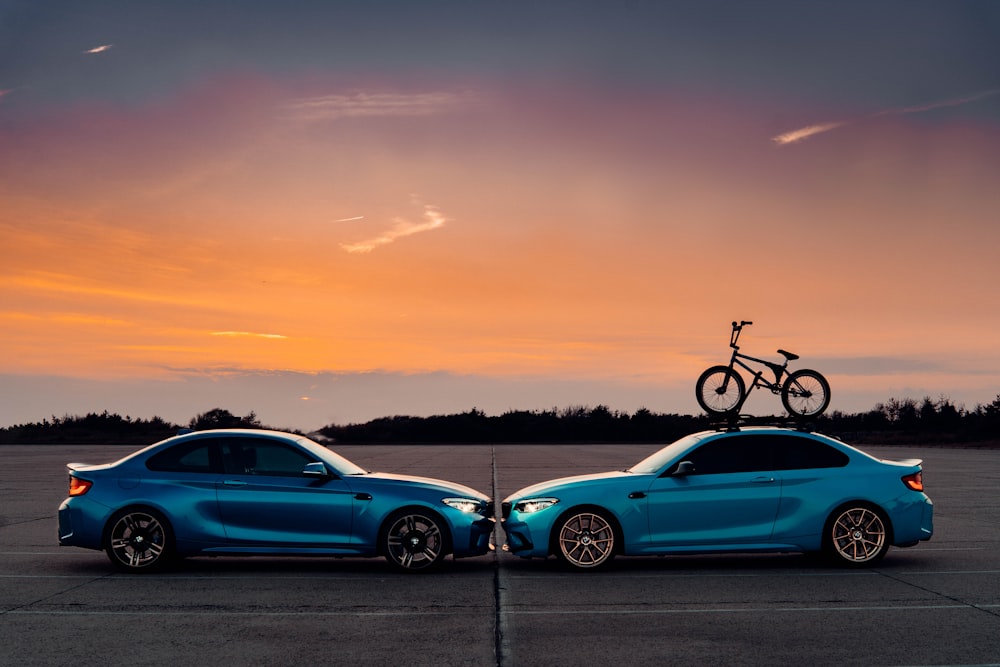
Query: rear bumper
[(914, 524), (80, 522)]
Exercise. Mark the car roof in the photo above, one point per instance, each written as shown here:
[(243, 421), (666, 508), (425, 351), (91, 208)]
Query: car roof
[(786, 430)]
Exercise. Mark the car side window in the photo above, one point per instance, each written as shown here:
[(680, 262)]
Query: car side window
[(260, 456), (731, 454), (195, 456), (792, 452)]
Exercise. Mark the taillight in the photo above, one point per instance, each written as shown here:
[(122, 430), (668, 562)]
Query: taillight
[(78, 487), (914, 481)]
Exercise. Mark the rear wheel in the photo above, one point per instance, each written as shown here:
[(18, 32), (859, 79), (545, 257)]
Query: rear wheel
[(720, 391), (857, 535), (415, 540), (585, 539), (138, 540), (805, 393)]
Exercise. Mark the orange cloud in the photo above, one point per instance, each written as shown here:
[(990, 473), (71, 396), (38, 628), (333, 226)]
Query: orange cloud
[(432, 220), (248, 334)]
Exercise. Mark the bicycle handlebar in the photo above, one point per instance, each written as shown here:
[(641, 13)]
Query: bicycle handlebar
[(735, 336)]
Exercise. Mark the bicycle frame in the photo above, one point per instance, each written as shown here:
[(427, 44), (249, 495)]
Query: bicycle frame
[(758, 376)]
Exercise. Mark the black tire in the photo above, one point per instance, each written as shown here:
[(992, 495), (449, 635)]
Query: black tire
[(857, 535), (415, 540), (720, 391), (139, 539), (585, 539), (805, 393)]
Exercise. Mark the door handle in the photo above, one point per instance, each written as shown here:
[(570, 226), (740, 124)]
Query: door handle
[(762, 480), (234, 482), (362, 496), (635, 495)]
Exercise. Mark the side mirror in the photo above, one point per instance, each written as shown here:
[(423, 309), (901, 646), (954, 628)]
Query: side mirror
[(684, 468), (316, 469)]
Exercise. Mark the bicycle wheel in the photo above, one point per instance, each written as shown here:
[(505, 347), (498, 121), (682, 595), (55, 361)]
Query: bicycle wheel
[(805, 393), (720, 391)]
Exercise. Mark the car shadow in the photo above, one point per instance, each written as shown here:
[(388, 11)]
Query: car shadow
[(743, 563), (288, 566)]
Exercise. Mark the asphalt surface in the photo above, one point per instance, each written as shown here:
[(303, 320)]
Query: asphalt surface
[(935, 604)]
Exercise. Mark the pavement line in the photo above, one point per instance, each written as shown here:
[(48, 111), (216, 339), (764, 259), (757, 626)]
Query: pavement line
[(210, 577), (748, 610), (465, 612), (746, 575), (374, 614)]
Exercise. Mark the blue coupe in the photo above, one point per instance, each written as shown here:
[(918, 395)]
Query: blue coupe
[(752, 489), (255, 492)]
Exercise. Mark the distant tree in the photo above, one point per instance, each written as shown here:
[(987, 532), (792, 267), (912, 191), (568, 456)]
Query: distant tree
[(219, 418), (993, 409)]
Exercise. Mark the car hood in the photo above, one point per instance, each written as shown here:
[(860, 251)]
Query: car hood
[(444, 486), (553, 485)]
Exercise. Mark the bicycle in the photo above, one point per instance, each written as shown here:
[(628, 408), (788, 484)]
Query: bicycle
[(721, 390)]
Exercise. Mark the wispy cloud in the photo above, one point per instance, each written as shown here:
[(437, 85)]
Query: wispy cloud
[(327, 107), (65, 284), (432, 219), (248, 334), (958, 101), (99, 49), (812, 130), (805, 132), (357, 217)]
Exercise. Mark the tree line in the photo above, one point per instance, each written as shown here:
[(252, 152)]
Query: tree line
[(895, 421)]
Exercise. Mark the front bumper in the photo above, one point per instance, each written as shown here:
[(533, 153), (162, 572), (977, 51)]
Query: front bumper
[(477, 543), (528, 539), (518, 537)]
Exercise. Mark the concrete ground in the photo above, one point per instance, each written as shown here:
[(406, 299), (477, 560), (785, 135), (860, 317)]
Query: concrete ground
[(935, 604)]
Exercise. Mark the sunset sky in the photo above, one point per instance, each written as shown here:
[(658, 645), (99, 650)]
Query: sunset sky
[(326, 212)]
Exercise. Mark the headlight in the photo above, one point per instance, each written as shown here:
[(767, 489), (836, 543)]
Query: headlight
[(530, 505), (467, 505)]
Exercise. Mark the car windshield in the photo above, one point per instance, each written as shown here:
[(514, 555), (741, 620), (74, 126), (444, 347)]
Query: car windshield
[(655, 462), (343, 466)]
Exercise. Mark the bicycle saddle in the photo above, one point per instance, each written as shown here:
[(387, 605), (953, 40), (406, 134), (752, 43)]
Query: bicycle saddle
[(788, 355)]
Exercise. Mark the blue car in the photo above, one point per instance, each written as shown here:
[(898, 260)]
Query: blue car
[(255, 492), (746, 490)]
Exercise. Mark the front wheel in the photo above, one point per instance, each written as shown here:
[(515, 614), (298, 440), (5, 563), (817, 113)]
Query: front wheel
[(720, 391), (138, 540), (414, 540), (585, 539), (805, 393)]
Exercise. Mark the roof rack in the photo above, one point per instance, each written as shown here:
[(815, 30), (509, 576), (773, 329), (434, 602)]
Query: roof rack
[(735, 422)]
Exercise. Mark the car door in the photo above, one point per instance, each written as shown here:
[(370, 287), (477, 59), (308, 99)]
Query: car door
[(182, 481), (729, 495), (265, 499), (814, 478)]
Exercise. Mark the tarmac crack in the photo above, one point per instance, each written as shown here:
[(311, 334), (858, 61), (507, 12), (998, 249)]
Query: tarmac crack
[(985, 609), (498, 617), (20, 608)]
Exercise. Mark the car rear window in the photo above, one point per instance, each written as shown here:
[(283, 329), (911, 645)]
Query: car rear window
[(185, 457)]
